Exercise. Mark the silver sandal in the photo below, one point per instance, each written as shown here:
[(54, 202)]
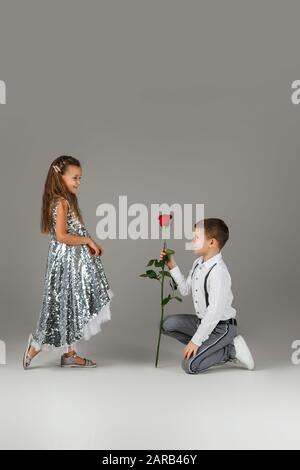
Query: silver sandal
[(70, 362), (26, 357)]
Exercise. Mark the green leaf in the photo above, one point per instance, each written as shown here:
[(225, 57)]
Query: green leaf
[(159, 264), (166, 273), (151, 262), (166, 299), (170, 252), (151, 274), (178, 298)]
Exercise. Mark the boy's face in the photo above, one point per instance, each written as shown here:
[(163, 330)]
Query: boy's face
[(202, 244)]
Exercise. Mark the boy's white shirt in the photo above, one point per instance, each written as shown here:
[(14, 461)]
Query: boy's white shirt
[(219, 291)]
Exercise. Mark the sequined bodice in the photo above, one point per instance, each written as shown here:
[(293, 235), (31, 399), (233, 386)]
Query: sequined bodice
[(74, 226)]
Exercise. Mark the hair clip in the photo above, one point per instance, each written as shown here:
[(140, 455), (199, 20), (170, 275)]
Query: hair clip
[(56, 168)]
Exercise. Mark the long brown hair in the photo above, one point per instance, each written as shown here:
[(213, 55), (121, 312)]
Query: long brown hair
[(55, 188)]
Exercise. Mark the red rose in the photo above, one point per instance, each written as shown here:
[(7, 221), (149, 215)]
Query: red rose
[(165, 219)]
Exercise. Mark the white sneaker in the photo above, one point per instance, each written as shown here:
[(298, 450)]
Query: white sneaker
[(243, 354)]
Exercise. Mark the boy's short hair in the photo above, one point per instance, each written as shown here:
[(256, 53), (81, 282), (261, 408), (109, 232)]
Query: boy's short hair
[(215, 228)]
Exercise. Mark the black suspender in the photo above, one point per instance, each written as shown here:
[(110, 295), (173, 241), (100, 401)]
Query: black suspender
[(194, 270), (205, 282), (205, 285)]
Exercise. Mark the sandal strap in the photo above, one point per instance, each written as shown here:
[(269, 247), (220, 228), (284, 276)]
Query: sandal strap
[(87, 362), (74, 354), (28, 359)]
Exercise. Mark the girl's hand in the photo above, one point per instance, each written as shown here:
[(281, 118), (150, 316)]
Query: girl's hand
[(93, 247), (100, 249)]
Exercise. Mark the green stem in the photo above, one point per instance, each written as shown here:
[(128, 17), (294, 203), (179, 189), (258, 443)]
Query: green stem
[(162, 307)]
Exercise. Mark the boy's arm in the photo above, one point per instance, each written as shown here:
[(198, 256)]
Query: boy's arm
[(184, 285), (220, 285)]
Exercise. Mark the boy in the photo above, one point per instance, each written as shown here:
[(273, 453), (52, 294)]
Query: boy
[(210, 336)]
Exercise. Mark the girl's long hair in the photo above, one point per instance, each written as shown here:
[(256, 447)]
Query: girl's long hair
[(55, 188)]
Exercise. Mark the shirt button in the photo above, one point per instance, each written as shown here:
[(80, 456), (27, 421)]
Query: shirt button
[(196, 301), (196, 290)]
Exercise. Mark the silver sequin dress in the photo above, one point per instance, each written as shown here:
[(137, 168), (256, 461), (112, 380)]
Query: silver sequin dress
[(76, 297)]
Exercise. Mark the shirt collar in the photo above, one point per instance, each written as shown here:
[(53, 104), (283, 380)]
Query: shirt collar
[(208, 264)]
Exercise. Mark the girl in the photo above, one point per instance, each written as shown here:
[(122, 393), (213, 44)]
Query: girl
[(76, 299)]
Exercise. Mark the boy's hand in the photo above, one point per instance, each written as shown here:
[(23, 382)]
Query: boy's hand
[(190, 349), (170, 261)]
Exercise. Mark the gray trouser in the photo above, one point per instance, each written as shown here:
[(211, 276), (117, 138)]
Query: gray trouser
[(217, 349)]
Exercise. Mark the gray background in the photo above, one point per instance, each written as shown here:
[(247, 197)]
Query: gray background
[(162, 101)]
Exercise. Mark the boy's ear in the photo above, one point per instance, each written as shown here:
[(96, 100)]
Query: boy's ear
[(213, 242)]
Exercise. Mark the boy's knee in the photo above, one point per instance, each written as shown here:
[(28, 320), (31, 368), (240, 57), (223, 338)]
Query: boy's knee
[(185, 364), (168, 324), (189, 366)]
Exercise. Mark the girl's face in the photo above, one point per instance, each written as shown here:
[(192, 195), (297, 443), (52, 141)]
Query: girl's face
[(72, 178)]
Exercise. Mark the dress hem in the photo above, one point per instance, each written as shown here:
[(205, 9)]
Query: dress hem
[(91, 328)]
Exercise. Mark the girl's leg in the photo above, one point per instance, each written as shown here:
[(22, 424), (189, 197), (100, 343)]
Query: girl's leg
[(29, 354), (79, 360)]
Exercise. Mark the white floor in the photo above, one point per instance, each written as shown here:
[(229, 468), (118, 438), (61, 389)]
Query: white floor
[(125, 403)]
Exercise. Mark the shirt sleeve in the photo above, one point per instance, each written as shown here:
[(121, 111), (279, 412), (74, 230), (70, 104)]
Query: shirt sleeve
[(184, 285), (219, 287)]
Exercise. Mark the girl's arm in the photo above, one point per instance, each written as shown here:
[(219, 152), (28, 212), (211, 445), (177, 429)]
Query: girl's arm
[(61, 223)]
